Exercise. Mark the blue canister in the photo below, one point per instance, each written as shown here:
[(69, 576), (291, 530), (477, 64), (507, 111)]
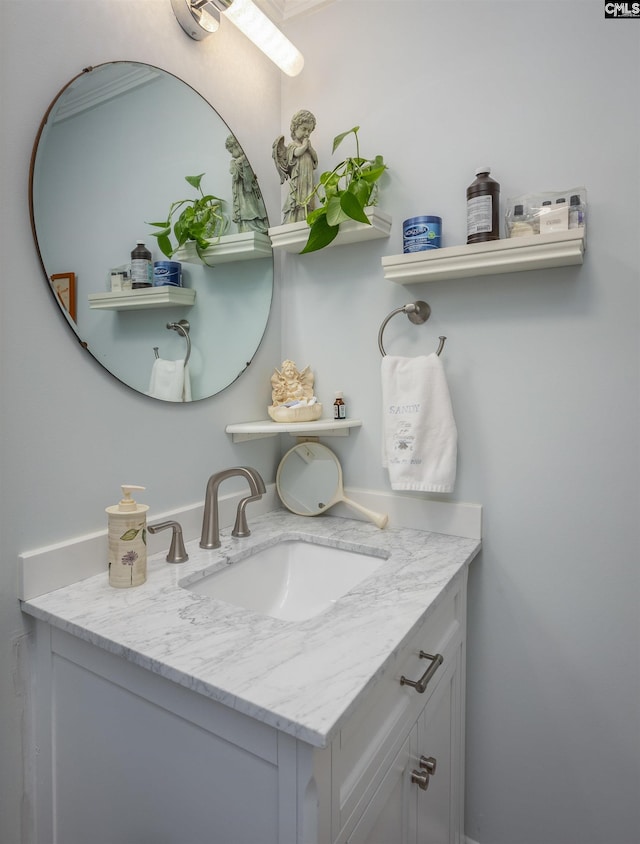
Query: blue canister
[(420, 233), (167, 273)]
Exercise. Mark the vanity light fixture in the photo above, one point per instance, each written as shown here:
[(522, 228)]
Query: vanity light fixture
[(199, 18)]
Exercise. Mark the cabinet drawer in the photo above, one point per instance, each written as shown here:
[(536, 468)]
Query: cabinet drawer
[(375, 731)]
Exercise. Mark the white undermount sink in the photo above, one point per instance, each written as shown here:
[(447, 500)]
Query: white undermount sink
[(292, 580)]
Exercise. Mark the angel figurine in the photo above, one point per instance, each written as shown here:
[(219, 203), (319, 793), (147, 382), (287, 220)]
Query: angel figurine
[(296, 162), (290, 385), (249, 213)]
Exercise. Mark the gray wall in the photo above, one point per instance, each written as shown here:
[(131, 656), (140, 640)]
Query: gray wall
[(542, 367), (71, 434)]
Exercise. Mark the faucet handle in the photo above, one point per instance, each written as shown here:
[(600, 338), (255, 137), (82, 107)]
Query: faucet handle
[(241, 528), (177, 552)]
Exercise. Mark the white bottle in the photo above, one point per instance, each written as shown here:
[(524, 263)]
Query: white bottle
[(127, 541)]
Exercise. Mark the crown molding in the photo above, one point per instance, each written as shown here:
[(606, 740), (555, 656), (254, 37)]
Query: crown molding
[(90, 90)]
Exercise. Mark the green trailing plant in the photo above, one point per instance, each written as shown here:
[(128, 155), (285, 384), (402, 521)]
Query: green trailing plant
[(201, 220), (344, 193)]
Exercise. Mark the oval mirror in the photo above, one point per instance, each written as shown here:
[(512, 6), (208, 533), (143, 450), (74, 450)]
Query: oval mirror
[(111, 156), (309, 481)]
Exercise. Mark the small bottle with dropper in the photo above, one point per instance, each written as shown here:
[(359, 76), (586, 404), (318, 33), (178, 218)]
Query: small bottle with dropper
[(339, 407)]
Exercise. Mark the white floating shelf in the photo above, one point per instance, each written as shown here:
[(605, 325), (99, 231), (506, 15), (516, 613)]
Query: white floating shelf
[(143, 297), (245, 246), (511, 255), (243, 431), (292, 237)]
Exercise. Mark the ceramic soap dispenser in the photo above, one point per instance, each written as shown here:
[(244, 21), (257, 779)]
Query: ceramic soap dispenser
[(127, 541)]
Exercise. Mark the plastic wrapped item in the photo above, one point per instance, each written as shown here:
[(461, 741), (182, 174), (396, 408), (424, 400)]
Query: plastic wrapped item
[(547, 212), (119, 278), (521, 223)]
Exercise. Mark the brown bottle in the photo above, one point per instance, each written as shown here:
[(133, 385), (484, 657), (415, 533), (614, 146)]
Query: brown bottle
[(483, 208), (141, 267)]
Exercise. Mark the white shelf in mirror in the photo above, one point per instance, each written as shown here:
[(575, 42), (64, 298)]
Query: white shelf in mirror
[(292, 236), (243, 431), (510, 255), (245, 246), (143, 297)]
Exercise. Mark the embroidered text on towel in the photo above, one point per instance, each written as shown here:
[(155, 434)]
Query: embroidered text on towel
[(404, 408)]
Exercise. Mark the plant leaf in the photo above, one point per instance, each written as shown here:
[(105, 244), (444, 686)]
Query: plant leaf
[(164, 244), (335, 212), (194, 181), (210, 200), (165, 230), (312, 216), (340, 138), (320, 235), (179, 231), (361, 189), (373, 174), (352, 208), (330, 181)]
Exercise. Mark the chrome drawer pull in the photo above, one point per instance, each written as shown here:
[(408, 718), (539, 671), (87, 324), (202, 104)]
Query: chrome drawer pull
[(421, 684), (421, 779), (428, 763)]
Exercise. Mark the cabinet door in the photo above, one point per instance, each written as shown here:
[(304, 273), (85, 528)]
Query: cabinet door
[(440, 743), (412, 805), (126, 769), (390, 816)]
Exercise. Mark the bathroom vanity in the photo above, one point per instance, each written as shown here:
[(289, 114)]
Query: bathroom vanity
[(166, 715)]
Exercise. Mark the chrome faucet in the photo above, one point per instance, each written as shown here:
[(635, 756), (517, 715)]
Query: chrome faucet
[(210, 537)]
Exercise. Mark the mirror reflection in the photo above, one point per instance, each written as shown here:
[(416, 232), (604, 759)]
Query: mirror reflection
[(111, 156), (309, 481)]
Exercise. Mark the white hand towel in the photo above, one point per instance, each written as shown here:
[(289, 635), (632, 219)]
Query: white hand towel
[(170, 380), (420, 438)]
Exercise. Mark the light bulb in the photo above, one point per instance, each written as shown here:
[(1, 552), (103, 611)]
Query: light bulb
[(265, 35)]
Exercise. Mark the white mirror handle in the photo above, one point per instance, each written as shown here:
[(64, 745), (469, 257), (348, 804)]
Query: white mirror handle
[(379, 519)]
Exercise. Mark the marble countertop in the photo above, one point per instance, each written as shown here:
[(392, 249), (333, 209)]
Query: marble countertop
[(303, 678)]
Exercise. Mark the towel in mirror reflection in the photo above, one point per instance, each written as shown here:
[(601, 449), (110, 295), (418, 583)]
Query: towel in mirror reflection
[(170, 380)]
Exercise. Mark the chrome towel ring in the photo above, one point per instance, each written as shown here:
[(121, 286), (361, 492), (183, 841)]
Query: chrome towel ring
[(418, 313), (183, 327)]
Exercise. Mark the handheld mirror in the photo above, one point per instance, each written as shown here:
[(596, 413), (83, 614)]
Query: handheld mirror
[(309, 481)]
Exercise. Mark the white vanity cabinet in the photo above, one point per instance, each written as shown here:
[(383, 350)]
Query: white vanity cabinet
[(125, 755), (162, 716)]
